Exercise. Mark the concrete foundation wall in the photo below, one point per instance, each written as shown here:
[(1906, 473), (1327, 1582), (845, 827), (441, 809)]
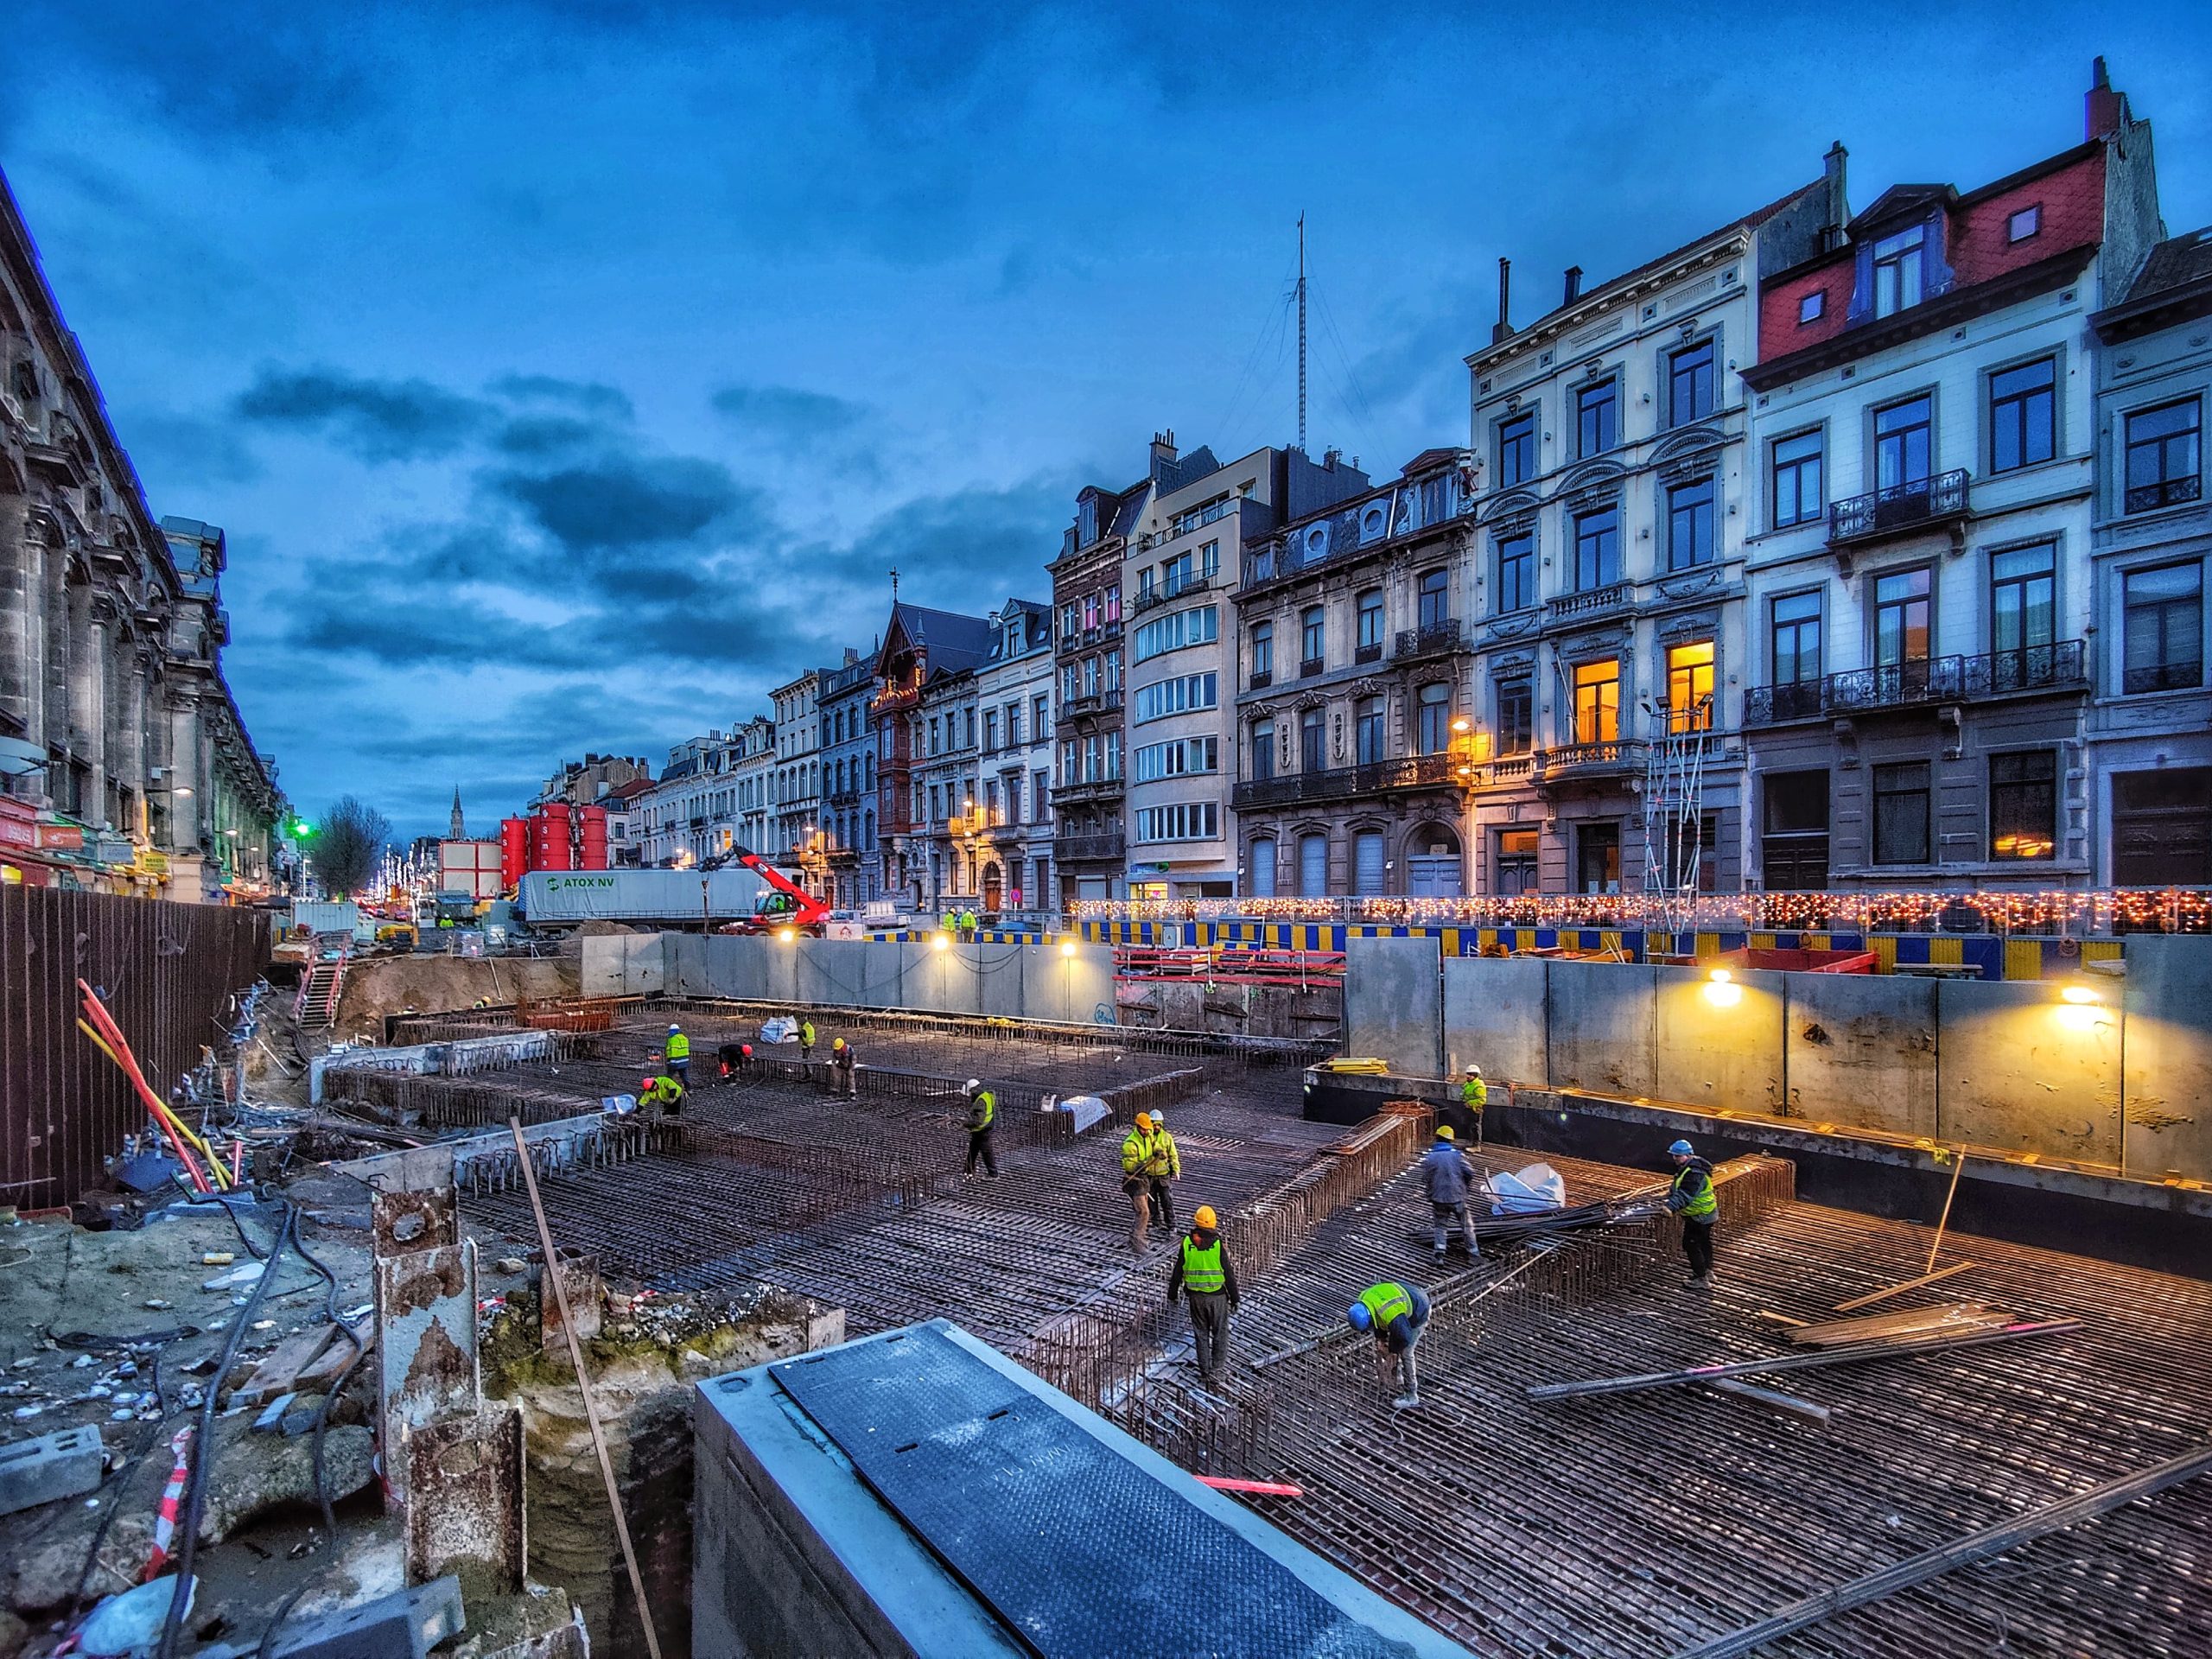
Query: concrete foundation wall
[(1601, 1022), (1394, 1003), (1718, 1054), (1076, 988), (623, 964), (1861, 1050), (2018, 1069), (1494, 1017), (2167, 1066)]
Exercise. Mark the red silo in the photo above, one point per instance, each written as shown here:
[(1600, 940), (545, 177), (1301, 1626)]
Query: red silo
[(514, 850), (549, 838), (591, 841)]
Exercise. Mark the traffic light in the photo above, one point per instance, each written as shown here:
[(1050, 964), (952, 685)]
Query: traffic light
[(301, 830)]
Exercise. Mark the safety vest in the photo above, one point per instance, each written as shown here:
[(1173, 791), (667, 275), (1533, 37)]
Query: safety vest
[(985, 1108), (1386, 1304), (807, 1035), (1705, 1205), (1166, 1158), (663, 1092), (1474, 1094), (1202, 1268), (679, 1047), (1136, 1151), (951, 921)]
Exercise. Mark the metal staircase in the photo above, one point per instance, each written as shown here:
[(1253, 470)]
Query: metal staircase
[(319, 988)]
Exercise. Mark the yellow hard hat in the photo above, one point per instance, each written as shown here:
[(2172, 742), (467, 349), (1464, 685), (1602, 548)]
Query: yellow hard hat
[(1444, 1132), (1144, 1121), (1203, 1217)]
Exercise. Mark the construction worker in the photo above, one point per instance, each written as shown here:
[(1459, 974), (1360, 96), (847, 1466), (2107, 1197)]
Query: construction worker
[(662, 1093), (734, 1057), (1166, 1164), (982, 1113), (1136, 1179), (967, 924), (806, 1039), (1445, 1171), (951, 921), (1693, 1199), (1207, 1279), (678, 1053), (1394, 1315), (1474, 1094), (841, 1056)]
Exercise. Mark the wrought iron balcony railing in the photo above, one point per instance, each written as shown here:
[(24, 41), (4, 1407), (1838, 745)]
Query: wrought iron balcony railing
[(1338, 783), (1921, 504), (1071, 847), (2027, 671), (1430, 638)]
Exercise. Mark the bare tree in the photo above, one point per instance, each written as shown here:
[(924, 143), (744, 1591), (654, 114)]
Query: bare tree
[(347, 844)]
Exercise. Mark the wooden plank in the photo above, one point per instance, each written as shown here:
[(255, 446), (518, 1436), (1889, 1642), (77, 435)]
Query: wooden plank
[(1904, 1322), (1883, 1295), (337, 1356), (280, 1371)]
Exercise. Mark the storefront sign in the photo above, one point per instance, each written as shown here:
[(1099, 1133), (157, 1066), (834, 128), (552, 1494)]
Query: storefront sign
[(18, 824), (61, 837)]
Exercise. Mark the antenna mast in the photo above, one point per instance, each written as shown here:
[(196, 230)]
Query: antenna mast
[(1301, 333)]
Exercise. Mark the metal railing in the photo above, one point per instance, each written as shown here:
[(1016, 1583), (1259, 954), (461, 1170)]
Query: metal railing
[(2163, 676), (2062, 666), (1070, 847), (1591, 601), (1407, 771), (1096, 702), (2166, 493), (1444, 634), (1611, 754), (1911, 505)]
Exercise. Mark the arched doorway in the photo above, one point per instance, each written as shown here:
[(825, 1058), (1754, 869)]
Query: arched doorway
[(994, 885), (1433, 863)]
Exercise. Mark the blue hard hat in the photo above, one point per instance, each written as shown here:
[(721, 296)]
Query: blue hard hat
[(1682, 1149), (1360, 1318)]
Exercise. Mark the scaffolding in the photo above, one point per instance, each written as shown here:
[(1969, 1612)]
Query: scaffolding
[(1673, 803)]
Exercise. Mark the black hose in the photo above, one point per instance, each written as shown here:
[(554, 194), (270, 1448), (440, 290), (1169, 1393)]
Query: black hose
[(222, 1201), (321, 1481)]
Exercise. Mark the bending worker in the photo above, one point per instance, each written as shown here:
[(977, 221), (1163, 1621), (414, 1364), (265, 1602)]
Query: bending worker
[(1166, 1164), (1693, 1199), (678, 1053), (662, 1093), (982, 1113), (1136, 1179), (1207, 1280), (1447, 1174), (1394, 1315), (841, 1056)]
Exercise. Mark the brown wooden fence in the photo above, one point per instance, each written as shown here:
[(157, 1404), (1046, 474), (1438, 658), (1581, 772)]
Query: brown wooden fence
[(168, 972)]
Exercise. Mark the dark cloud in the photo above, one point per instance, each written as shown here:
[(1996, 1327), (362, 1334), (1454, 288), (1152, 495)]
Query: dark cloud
[(632, 501), (378, 421), (190, 450), (541, 436), (979, 543), (591, 396), (789, 412)]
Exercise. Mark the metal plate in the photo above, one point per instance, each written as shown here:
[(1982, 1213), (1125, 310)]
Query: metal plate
[(1078, 1549), (464, 1498)]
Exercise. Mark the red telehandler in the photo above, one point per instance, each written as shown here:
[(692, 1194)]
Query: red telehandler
[(783, 903)]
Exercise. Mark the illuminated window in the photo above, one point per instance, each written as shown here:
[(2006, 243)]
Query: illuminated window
[(1689, 687), (1598, 702), (2023, 804)]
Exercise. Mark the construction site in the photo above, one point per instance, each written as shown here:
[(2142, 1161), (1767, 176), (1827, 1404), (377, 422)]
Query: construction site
[(799, 1381)]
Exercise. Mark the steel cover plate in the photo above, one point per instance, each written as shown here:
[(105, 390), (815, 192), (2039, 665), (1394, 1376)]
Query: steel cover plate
[(1081, 1552)]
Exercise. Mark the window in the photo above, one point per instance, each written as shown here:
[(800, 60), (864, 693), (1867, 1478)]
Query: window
[(1901, 813), (1516, 572), (1433, 598), (1690, 524), (1516, 450), (1813, 306), (2021, 429), (2163, 468), (1516, 862), (1370, 614), (2025, 223), (1794, 851), (1314, 865), (1180, 696), (1090, 676), (1434, 732), (1368, 864), (1897, 270), (1197, 626), (1184, 758), (1263, 653), (1795, 635), (1310, 636), (991, 732), (1184, 821), (1904, 434), (1263, 751), (2162, 627), (1598, 417), (1111, 605), (1597, 548), (1041, 719), (1689, 384), (2023, 804), (1260, 869), (1312, 741), (1797, 491), (1901, 618), (1176, 575), (1597, 858), (1693, 860), (1598, 702), (1517, 716), (1208, 560), (2022, 601), (1689, 687), (1369, 721)]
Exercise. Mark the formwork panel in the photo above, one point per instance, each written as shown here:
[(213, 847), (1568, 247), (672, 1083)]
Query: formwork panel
[(1601, 1021), (1861, 1050), (998, 979), (1078, 988), (1393, 1004), (2169, 1057), (2020, 1070), (831, 972), (1720, 1046), (1494, 1017)]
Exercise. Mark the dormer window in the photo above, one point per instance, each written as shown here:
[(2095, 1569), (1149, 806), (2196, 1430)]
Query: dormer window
[(1898, 263), (2025, 223), (1813, 306)]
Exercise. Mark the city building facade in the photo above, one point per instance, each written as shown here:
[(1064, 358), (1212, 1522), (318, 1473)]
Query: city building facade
[(752, 764), (1353, 726), (688, 817), (924, 715), (848, 782), (799, 842), (1088, 840), (1920, 577), (1013, 695)]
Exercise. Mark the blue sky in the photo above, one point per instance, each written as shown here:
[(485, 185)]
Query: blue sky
[(567, 374)]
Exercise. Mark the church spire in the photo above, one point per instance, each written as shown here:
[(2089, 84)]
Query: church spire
[(459, 834)]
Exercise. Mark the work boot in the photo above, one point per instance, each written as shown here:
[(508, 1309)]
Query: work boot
[(1405, 1402), (1439, 1255), (1700, 1281)]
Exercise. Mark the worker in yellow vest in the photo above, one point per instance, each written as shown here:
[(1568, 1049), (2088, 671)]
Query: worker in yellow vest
[(1165, 1165), (1692, 1197), (663, 1094), (1206, 1279), (678, 1052), (1394, 1315), (1137, 1179), (983, 1114)]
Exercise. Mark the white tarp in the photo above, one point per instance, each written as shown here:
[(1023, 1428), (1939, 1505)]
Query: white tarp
[(1537, 1187)]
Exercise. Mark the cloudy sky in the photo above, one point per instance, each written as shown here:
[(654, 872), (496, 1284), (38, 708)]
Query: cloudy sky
[(567, 374)]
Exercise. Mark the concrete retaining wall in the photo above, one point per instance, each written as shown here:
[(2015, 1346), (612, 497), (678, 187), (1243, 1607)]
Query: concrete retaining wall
[(1008, 981), (2166, 1071), (627, 964), (1394, 1003)]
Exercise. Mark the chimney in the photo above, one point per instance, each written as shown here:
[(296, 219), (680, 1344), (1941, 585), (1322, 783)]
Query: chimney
[(1163, 449), (1839, 208), (1504, 301), (2104, 112), (1574, 285)]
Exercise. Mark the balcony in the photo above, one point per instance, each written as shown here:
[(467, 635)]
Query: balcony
[(1504, 772), (1081, 849), (2175, 491), (1263, 678), (1367, 653), (1309, 668), (1575, 761), (1900, 510), (1148, 598), (2031, 671), (845, 797), (1428, 640), (2163, 676), (1590, 602), (1096, 789), (1098, 702), (1340, 783)]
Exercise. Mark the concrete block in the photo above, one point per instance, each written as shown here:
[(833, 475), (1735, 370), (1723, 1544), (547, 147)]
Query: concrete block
[(833, 972), (2167, 1083), (735, 967), (1076, 989), (65, 1463), (686, 964), (2020, 1070), (882, 981), (939, 981), (405, 1624), (1719, 1047), (1494, 1017), (1602, 1018), (1859, 1049), (1394, 1003)]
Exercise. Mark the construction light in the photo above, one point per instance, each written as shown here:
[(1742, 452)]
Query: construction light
[(1462, 724), (1067, 947), (2079, 995), (940, 942), (1721, 989), (787, 934), (1720, 976)]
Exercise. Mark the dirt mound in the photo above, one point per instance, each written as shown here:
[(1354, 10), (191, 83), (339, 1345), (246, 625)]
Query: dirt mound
[(438, 984)]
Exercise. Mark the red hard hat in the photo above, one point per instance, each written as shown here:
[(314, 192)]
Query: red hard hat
[(645, 1083)]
